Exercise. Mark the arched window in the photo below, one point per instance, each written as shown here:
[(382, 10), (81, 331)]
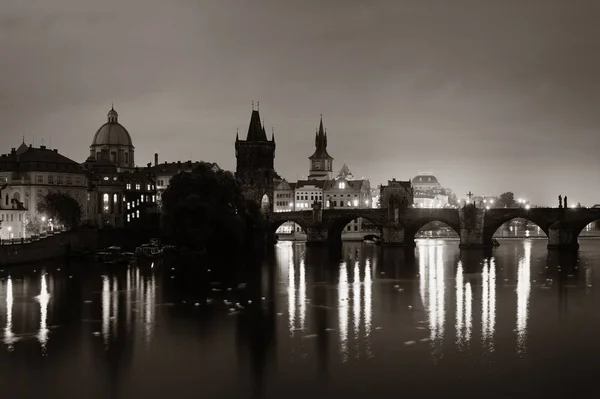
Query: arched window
[(105, 201), (6, 199)]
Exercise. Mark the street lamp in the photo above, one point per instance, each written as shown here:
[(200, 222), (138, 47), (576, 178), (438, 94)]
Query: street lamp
[(527, 206)]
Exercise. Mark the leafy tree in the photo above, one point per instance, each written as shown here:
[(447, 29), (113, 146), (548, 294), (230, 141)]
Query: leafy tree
[(62, 208), (453, 200), (33, 225), (506, 200), (205, 209)]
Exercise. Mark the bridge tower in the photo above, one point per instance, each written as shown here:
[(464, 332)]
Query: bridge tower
[(255, 158), (321, 163)]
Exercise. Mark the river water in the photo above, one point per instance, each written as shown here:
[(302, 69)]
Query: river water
[(367, 322)]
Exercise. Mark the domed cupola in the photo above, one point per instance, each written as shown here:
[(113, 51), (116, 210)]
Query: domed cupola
[(113, 143)]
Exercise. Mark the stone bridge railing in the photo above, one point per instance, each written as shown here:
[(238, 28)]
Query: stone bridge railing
[(475, 226)]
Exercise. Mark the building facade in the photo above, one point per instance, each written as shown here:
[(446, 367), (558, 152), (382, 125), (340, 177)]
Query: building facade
[(119, 194), (12, 214), (255, 158), (343, 191), (31, 173), (428, 192), (397, 192)]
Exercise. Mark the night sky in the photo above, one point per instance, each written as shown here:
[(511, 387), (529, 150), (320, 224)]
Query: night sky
[(488, 95)]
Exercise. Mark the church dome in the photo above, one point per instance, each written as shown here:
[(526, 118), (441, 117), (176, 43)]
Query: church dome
[(112, 132), (425, 179)]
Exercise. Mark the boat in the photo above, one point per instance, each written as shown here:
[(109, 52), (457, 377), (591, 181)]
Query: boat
[(149, 251), (372, 239)]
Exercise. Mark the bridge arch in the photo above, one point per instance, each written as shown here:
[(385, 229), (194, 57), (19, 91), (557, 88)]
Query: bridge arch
[(493, 223), (275, 224), (337, 226), (579, 226), (416, 228)]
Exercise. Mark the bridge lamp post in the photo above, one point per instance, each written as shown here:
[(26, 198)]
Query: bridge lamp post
[(527, 206)]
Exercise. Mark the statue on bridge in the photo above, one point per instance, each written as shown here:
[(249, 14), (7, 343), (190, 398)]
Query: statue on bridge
[(560, 202), (566, 202)]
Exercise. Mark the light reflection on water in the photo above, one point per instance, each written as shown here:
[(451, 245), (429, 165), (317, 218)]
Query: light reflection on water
[(347, 317)]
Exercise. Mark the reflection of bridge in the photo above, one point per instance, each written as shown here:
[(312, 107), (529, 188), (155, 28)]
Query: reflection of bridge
[(474, 226)]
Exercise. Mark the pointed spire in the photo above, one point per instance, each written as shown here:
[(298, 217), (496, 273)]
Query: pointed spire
[(321, 125), (237, 134), (258, 106), (272, 134), (252, 105), (256, 131)]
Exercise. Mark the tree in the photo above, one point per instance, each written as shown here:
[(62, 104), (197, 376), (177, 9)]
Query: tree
[(62, 208), (506, 200), (205, 209), (33, 225)]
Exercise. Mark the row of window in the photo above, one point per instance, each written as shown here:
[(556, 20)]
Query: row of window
[(131, 216), (283, 195), (10, 217), (138, 186), (60, 180)]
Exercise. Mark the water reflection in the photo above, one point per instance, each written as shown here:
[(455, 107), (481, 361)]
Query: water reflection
[(343, 309), (355, 312), (43, 298), (523, 291), (368, 305), (464, 305), (9, 336), (432, 289), (488, 304)]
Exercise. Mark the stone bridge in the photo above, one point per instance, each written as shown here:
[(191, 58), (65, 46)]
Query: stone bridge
[(475, 226)]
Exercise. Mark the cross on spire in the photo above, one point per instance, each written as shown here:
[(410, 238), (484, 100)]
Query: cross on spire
[(470, 195)]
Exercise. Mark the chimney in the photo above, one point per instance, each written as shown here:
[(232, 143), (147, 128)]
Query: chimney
[(155, 158), (149, 164), (55, 150), (13, 150), (42, 147)]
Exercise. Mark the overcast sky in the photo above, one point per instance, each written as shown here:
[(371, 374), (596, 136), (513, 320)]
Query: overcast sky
[(489, 95)]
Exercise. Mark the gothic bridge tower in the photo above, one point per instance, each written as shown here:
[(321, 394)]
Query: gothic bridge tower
[(255, 163), (321, 163)]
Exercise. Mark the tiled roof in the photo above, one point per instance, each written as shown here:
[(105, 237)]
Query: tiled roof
[(31, 158)]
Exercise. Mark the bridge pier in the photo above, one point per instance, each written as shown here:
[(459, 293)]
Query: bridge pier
[(562, 237), (472, 228), (394, 236), (317, 235)]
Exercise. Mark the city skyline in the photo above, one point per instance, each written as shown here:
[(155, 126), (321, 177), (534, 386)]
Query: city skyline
[(403, 88)]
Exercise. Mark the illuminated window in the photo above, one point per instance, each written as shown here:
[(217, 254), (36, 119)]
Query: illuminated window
[(128, 218), (138, 214), (142, 198), (355, 202), (128, 206), (148, 187), (138, 202), (137, 186), (128, 186), (105, 200), (153, 198), (105, 177), (341, 185)]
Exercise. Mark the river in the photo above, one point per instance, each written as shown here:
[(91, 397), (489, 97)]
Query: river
[(370, 322)]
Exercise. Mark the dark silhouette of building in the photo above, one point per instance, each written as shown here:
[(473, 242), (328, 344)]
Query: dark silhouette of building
[(400, 192), (255, 163), (321, 163)]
